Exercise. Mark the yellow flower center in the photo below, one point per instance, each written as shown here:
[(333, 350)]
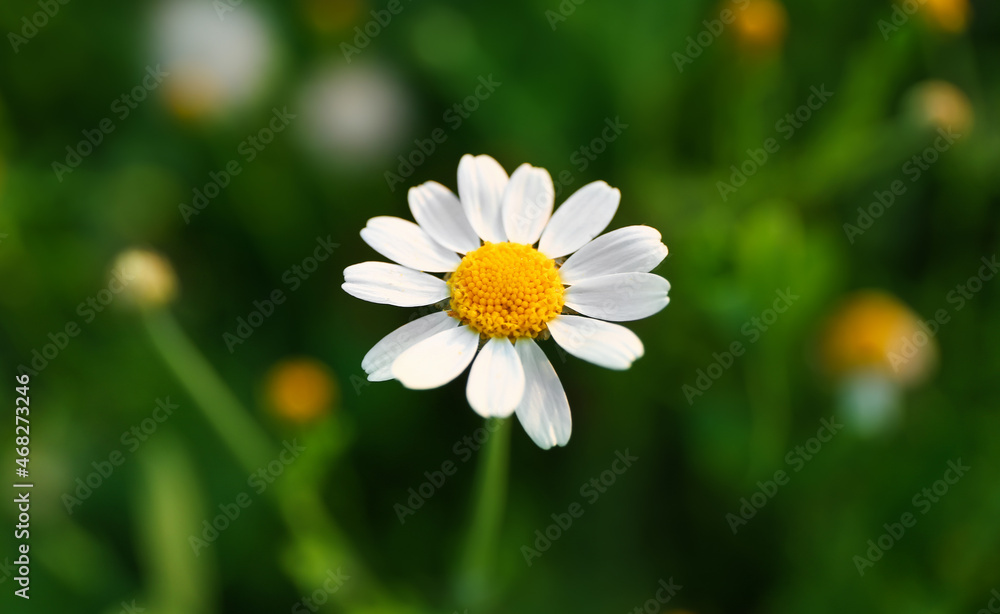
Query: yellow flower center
[(506, 290)]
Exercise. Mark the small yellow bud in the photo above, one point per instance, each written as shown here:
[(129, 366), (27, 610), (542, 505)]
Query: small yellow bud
[(148, 277), (761, 25), (950, 16), (301, 390)]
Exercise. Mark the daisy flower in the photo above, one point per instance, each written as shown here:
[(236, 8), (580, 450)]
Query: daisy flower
[(507, 283)]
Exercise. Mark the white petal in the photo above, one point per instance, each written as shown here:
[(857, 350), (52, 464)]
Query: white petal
[(406, 243), (607, 345), (544, 410), (633, 249), (582, 217), (377, 363), (437, 360), (481, 182), (391, 284), (496, 380), (620, 297), (527, 204), (439, 213)]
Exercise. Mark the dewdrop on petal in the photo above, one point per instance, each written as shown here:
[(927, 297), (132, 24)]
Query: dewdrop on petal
[(150, 277), (951, 16), (940, 105), (874, 347), (761, 25), (301, 390)]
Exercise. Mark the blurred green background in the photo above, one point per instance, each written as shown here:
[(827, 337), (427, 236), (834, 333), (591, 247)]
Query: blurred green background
[(100, 152)]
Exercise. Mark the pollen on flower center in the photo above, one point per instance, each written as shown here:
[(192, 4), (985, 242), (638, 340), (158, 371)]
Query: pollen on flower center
[(506, 290)]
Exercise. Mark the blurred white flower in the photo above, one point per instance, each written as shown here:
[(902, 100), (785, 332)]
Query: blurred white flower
[(870, 402), (216, 62), (354, 115)]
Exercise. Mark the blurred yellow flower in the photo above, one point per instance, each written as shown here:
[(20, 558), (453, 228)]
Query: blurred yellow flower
[(940, 104), (947, 15), (761, 25), (151, 280), (873, 331), (301, 389), (874, 346)]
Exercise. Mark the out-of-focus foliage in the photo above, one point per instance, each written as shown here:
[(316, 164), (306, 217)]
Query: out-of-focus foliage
[(789, 153)]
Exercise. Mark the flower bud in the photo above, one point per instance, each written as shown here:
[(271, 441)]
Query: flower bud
[(949, 16), (761, 25), (301, 390), (150, 278)]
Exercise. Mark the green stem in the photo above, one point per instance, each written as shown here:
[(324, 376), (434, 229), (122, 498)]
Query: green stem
[(218, 404), (768, 399), (473, 585), (311, 528)]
